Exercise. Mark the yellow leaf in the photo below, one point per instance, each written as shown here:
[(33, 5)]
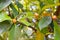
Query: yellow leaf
[(39, 36), (45, 14)]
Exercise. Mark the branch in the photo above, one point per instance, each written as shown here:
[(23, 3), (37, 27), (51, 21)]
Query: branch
[(28, 26)]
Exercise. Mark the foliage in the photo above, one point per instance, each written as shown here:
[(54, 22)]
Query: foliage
[(29, 19)]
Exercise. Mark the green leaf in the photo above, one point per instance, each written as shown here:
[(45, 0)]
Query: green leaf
[(14, 33), (45, 30), (4, 3), (22, 20), (4, 26), (19, 4), (49, 1), (42, 4), (44, 22), (56, 31), (4, 16), (30, 15), (15, 12)]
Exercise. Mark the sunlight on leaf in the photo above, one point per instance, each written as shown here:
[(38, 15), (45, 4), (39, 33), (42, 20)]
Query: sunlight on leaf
[(4, 3), (4, 16), (44, 22), (56, 31), (13, 33)]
